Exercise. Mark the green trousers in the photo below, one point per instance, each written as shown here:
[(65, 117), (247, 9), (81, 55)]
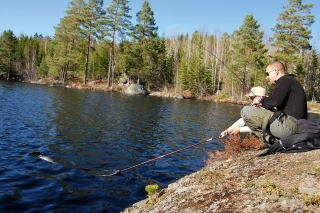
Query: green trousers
[(257, 119)]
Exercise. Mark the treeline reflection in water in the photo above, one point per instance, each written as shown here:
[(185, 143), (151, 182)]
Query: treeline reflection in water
[(89, 135)]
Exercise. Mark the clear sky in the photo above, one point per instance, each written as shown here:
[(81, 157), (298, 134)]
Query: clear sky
[(172, 16)]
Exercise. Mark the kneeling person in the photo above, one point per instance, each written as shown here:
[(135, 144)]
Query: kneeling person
[(284, 107), (239, 126)]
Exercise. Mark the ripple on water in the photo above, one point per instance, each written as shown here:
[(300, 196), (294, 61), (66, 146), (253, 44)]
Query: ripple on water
[(89, 134)]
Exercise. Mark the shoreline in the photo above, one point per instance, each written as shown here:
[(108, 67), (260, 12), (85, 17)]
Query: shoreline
[(313, 107), (244, 183)]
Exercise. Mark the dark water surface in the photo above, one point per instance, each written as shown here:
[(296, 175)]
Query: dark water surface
[(89, 135)]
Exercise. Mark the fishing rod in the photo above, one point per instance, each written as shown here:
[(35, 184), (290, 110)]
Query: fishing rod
[(118, 172)]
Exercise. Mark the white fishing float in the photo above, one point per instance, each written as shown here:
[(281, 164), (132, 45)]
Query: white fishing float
[(48, 159)]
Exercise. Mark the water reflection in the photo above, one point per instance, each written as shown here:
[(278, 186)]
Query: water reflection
[(89, 134)]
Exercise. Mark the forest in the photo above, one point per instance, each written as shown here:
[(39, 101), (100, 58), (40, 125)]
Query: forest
[(101, 44)]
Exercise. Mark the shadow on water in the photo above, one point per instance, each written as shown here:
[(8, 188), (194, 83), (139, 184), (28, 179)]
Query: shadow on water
[(60, 146)]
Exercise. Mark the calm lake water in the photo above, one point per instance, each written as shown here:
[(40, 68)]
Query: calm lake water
[(89, 135)]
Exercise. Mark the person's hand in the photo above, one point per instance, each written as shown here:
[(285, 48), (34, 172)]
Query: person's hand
[(256, 102), (224, 134), (235, 131)]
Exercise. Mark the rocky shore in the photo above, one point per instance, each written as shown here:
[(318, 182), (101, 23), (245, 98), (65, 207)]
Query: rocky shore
[(244, 183), (313, 107)]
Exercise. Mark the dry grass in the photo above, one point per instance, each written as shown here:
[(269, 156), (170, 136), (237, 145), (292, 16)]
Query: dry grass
[(312, 200), (313, 106), (234, 145)]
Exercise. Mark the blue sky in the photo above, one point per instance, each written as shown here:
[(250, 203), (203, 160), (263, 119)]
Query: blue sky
[(172, 16)]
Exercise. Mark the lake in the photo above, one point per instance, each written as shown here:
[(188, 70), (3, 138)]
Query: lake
[(91, 134)]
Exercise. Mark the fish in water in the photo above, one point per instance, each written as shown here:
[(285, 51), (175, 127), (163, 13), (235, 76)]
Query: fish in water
[(46, 158)]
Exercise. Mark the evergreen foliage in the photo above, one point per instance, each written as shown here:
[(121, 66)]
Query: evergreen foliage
[(91, 43), (8, 46), (66, 54), (117, 23), (291, 34), (247, 56), (146, 48)]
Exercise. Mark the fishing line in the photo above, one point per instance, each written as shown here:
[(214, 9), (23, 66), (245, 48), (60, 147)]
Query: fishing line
[(119, 172)]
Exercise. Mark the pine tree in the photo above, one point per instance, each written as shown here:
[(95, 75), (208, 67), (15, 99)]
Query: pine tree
[(165, 64), (183, 70), (312, 77), (176, 54), (146, 27), (27, 54), (247, 56), (87, 17), (43, 55), (160, 69), (199, 77), (291, 33), (67, 54), (8, 45), (117, 23), (144, 47)]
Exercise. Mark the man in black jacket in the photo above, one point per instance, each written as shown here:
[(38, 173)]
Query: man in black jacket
[(288, 103)]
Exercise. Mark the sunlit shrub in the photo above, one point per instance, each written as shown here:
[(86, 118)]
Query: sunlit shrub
[(234, 144)]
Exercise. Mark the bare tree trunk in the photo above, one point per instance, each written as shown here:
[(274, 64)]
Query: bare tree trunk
[(93, 65), (87, 60), (221, 64), (243, 83), (175, 47), (109, 70), (112, 72), (315, 89), (65, 71), (27, 61), (232, 91), (8, 75), (216, 50), (33, 62)]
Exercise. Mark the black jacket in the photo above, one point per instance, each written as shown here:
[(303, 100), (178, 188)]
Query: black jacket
[(288, 96)]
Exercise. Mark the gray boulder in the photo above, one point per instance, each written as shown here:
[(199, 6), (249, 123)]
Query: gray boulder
[(174, 95), (58, 84), (157, 94), (136, 89)]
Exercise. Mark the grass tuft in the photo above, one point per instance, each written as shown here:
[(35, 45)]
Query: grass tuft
[(312, 200), (270, 188), (153, 192)]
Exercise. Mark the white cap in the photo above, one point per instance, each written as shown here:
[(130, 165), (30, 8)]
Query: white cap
[(257, 91)]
